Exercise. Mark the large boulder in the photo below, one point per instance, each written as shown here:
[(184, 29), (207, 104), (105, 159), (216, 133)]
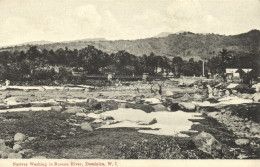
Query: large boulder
[(5, 151), (197, 97), (256, 97), (241, 142), (186, 97), (207, 143), (73, 110), (122, 105), (175, 107), (15, 156), (19, 137), (213, 114), (56, 108), (39, 157), (187, 106), (146, 108), (2, 143), (168, 93), (86, 126), (17, 147), (109, 105), (255, 129), (93, 104), (81, 114), (160, 107)]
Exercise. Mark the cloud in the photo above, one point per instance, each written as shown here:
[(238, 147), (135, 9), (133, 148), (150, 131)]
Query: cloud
[(60, 20)]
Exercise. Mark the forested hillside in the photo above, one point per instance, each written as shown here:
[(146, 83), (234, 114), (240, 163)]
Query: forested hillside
[(186, 45)]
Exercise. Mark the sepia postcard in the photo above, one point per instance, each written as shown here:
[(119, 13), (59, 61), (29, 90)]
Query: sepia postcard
[(118, 83)]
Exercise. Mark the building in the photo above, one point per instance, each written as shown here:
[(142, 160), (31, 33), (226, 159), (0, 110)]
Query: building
[(236, 74)]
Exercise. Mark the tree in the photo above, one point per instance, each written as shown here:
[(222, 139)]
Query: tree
[(177, 62)]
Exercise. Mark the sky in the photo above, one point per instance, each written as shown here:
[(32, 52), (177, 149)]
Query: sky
[(63, 20)]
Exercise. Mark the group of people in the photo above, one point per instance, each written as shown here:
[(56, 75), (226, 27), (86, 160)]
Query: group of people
[(216, 92)]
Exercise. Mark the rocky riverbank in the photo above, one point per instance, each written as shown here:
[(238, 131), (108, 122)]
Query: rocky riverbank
[(57, 122)]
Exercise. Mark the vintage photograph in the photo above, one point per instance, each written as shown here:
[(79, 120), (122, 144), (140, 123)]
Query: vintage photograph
[(128, 80)]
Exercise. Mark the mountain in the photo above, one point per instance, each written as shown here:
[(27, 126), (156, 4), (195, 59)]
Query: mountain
[(87, 39), (162, 34), (42, 42), (186, 45)]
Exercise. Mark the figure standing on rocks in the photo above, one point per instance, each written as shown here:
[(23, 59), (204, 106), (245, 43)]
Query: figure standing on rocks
[(7, 82), (160, 89), (209, 91)]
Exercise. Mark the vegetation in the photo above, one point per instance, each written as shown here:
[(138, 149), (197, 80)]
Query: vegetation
[(186, 45), (72, 66)]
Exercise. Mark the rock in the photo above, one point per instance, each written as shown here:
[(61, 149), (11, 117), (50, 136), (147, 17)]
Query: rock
[(5, 151), (186, 97), (187, 106), (63, 136), (19, 137), (144, 107), (255, 129), (175, 107), (93, 104), (213, 114), (86, 126), (241, 142), (168, 93), (73, 129), (2, 143), (25, 151), (122, 105), (56, 108), (72, 134), (207, 143), (107, 118), (98, 111), (256, 97), (31, 138), (17, 147), (73, 110), (227, 92), (109, 105), (242, 156), (95, 116), (197, 97), (211, 100), (97, 121), (153, 121), (159, 107), (39, 157), (79, 114)]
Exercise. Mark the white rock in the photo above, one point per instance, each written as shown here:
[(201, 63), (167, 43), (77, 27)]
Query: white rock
[(86, 126), (39, 157), (17, 147), (2, 142), (213, 114), (19, 137), (188, 106), (73, 110), (241, 142), (81, 114), (96, 116), (98, 121), (168, 93), (15, 156)]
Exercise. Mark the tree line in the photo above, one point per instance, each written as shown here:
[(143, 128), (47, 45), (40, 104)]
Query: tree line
[(35, 64)]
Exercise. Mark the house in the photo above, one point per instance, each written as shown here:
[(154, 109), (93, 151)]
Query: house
[(236, 74)]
